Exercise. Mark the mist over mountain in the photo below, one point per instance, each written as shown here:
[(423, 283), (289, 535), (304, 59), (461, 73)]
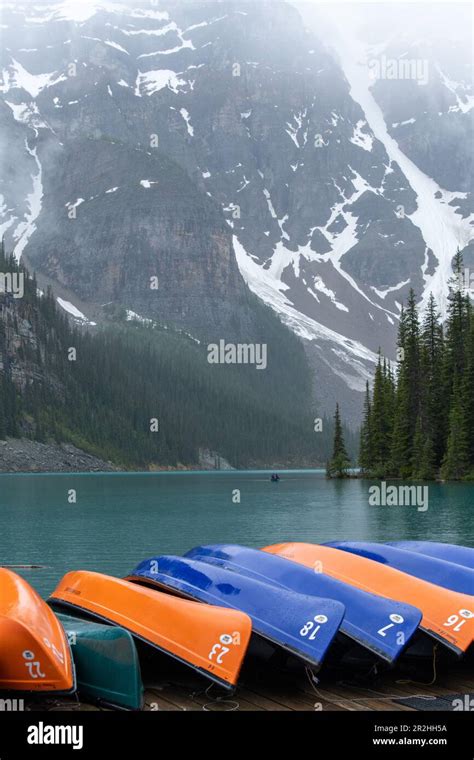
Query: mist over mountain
[(318, 159)]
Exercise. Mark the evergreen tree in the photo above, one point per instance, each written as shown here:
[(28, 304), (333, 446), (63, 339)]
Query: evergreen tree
[(468, 392), (390, 399), (428, 410), (456, 460), (435, 418), (366, 457), (423, 458), (339, 463), (407, 405), (3, 426), (457, 326), (381, 418)]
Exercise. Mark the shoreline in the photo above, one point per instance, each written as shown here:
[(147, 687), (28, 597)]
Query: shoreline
[(25, 456)]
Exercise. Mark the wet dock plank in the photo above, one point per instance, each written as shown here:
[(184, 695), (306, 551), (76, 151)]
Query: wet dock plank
[(290, 693)]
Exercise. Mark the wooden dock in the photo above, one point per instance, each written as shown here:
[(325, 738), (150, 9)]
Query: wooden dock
[(294, 692)]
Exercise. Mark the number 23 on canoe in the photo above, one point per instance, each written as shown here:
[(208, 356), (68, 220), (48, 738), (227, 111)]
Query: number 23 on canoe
[(209, 639)]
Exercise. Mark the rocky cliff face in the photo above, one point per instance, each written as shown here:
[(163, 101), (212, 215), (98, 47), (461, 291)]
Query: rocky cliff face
[(19, 345), (150, 242), (222, 143)]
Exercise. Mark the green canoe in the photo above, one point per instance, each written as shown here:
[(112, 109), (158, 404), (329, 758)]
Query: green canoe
[(106, 660)]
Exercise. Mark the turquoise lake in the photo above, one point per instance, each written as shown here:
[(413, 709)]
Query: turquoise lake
[(120, 519)]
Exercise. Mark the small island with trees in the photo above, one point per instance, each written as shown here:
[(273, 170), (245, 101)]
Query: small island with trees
[(418, 421)]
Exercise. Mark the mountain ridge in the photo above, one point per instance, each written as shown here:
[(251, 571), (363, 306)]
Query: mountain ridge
[(328, 219)]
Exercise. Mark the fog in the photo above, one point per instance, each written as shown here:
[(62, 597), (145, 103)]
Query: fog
[(444, 22)]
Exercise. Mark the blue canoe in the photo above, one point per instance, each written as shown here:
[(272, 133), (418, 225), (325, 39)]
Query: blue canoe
[(438, 571), (300, 624), (381, 625), (460, 555)]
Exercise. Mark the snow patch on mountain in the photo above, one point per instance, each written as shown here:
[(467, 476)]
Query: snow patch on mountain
[(171, 27), (80, 11), (342, 242), (132, 316), (296, 130), (396, 124), (360, 138), (75, 204), (26, 113), (356, 358), (318, 285), (16, 76), (441, 227), (71, 309), (25, 229), (465, 101), (116, 46), (383, 293), (149, 14), (269, 203), (184, 44), (185, 114), (150, 82)]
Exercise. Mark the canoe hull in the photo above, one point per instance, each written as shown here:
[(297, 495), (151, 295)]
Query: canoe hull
[(184, 630), (437, 571), (460, 555), (34, 652), (366, 615), (106, 660), (277, 615), (437, 604)]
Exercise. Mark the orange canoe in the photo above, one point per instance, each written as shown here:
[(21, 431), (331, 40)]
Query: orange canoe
[(447, 615), (210, 639), (34, 650)]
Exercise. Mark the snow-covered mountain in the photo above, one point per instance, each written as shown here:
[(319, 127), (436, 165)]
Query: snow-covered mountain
[(327, 164)]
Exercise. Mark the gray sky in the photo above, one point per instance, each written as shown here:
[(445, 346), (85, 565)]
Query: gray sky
[(433, 20), (446, 18)]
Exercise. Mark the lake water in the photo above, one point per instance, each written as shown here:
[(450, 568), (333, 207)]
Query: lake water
[(120, 519)]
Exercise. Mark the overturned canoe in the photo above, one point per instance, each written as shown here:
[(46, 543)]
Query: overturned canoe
[(34, 650), (460, 555), (442, 609), (438, 571), (384, 627), (106, 660), (211, 640), (300, 624)]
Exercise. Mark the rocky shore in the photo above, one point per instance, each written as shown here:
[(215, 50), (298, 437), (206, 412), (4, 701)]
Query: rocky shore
[(23, 455)]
